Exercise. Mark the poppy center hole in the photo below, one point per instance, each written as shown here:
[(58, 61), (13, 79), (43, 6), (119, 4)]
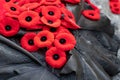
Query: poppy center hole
[(44, 38), (91, 14), (28, 19), (50, 22), (52, 29), (56, 56), (7, 0), (40, 14), (51, 13), (13, 8), (8, 27), (31, 42), (62, 41)]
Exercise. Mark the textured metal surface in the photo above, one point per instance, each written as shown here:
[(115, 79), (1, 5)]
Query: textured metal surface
[(115, 20)]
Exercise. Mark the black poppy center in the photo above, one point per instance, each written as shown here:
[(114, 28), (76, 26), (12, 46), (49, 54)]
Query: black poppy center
[(28, 18), (44, 38), (56, 56), (52, 29), (13, 8), (31, 42), (51, 13), (40, 14), (7, 0), (8, 27), (50, 22), (62, 41)]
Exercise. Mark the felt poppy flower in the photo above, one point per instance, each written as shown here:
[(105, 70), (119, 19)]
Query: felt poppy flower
[(64, 41), (90, 14), (115, 7), (51, 12), (27, 42), (55, 57), (73, 1), (50, 22), (12, 8), (44, 39), (9, 27), (28, 18)]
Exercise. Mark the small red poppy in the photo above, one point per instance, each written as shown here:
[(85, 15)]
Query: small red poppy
[(91, 14), (44, 39), (51, 12), (9, 27), (50, 22), (12, 8), (27, 42), (65, 41), (28, 18), (115, 7), (55, 57), (73, 1)]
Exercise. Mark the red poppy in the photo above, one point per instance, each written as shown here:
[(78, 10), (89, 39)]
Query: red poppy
[(50, 22), (12, 8), (115, 7), (28, 18), (55, 57), (27, 42), (73, 1), (65, 41), (51, 12), (91, 14), (9, 27), (44, 39)]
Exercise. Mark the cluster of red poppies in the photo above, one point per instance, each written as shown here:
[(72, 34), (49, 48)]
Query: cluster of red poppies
[(50, 17), (93, 13), (115, 6)]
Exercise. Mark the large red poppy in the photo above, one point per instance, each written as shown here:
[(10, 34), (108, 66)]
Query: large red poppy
[(28, 18), (50, 22), (9, 27), (12, 8), (27, 42), (44, 39), (115, 7), (91, 14), (55, 57), (65, 41), (51, 12)]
